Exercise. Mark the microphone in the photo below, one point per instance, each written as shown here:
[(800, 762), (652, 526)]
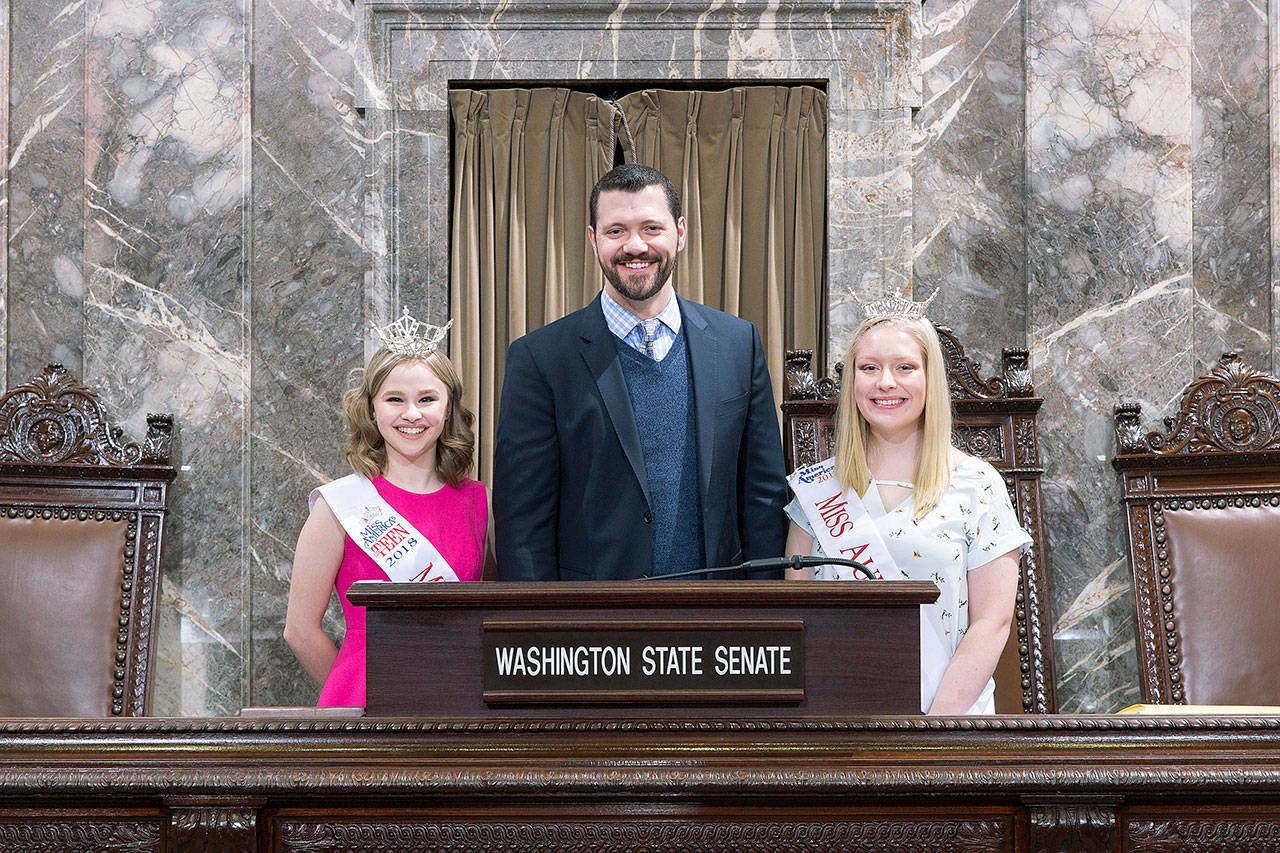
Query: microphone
[(766, 563)]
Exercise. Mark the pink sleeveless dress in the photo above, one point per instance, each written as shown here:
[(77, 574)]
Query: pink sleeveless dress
[(456, 521)]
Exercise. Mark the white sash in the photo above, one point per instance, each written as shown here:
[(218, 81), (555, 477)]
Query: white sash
[(840, 523), (390, 540), (842, 527)]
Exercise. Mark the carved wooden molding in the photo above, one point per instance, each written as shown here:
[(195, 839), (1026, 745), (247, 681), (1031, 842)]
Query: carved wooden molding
[(210, 824), (55, 419), (1203, 836), (922, 835), (1074, 824), (70, 834), (183, 729), (1035, 642), (1233, 408)]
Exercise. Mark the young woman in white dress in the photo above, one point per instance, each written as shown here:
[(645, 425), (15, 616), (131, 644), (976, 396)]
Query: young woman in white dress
[(944, 516)]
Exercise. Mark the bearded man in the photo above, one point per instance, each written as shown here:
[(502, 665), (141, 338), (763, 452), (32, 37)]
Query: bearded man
[(637, 436)]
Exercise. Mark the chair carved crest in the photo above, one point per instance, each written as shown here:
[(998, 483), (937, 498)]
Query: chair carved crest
[(53, 419), (82, 512), (995, 420), (1232, 409)]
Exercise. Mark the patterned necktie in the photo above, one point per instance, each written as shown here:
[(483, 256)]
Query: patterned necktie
[(649, 332)]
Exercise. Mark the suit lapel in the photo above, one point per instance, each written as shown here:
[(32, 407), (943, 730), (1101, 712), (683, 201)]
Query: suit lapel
[(601, 355), (704, 363)]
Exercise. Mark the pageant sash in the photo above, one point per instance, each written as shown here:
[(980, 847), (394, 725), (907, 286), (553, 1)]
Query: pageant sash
[(841, 525), (382, 533)]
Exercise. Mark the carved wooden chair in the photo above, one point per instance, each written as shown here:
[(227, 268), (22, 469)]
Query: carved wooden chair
[(1203, 509), (994, 419), (81, 522)]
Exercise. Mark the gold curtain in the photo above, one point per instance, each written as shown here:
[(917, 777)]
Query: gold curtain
[(750, 164), (524, 162), (751, 167)]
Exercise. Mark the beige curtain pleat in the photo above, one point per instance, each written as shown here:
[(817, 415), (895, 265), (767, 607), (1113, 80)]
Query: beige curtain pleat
[(524, 162), (750, 164)]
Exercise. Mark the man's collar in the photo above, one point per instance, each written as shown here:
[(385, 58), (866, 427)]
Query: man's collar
[(621, 321)]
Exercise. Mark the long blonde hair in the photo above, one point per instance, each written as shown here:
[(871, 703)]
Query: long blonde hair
[(933, 472), (365, 449)]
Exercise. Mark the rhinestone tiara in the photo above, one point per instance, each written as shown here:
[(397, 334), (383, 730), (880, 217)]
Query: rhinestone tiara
[(891, 307), (409, 337)]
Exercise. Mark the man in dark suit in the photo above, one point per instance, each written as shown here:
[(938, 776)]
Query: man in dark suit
[(637, 436)]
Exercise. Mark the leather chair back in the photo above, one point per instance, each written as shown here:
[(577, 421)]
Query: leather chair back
[(81, 522), (993, 419), (1202, 503)]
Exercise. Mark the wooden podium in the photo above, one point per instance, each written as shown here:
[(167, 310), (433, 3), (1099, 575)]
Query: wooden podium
[(643, 648)]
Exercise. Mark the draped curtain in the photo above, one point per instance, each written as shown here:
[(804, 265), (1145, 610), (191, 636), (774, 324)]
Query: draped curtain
[(750, 164)]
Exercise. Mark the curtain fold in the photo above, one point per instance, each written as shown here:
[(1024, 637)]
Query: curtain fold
[(524, 162), (750, 164)]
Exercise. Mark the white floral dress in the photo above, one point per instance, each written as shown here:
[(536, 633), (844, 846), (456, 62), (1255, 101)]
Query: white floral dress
[(973, 523)]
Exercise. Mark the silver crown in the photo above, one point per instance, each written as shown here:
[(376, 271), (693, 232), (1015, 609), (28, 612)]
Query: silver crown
[(894, 306), (408, 337)]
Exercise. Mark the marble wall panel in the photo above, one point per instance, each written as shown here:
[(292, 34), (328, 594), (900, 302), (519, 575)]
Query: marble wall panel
[(1230, 238), (968, 166), (4, 195), (1273, 115), (1109, 292), (307, 280), (166, 175), (45, 285)]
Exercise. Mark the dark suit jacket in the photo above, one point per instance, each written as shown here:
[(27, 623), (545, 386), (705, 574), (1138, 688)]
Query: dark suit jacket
[(569, 490)]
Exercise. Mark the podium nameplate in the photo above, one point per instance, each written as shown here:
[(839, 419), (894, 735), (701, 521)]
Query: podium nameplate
[(537, 662)]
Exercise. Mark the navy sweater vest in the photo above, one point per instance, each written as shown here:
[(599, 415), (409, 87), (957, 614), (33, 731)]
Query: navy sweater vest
[(663, 405)]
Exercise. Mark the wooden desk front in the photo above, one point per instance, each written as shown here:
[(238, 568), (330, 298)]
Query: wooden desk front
[(873, 783)]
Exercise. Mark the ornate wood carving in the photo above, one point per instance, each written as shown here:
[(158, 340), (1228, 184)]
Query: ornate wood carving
[(963, 377), (1026, 448), (801, 384), (1081, 827), (925, 836), (1145, 593), (806, 442), (1033, 634), (147, 584), (203, 825), (1233, 408), (397, 784), (984, 441), (70, 835), (994, 419), (53, 418), (1241, 835)]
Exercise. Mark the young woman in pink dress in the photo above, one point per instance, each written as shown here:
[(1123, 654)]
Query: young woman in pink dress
[(410, 440)]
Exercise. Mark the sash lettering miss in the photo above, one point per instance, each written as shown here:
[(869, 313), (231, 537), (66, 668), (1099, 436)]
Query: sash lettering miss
[(840, 523)]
